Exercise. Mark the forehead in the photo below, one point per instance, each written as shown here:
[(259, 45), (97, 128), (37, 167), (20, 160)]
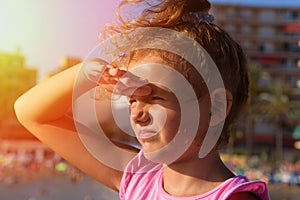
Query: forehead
[(160, 89), (161, 57), (140, 59), (187, 73)]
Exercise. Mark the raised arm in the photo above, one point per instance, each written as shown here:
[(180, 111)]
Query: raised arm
[(42, 110)]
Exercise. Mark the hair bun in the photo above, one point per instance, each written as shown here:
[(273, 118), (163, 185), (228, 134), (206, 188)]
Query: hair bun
[(197, 6)]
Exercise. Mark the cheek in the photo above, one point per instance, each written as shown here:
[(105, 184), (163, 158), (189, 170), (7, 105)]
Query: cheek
[(165, 121), (205, 110), (172, 125), (159, 116)]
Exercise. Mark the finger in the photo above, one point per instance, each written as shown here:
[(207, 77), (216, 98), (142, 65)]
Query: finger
[(126, 77), (115, 72), (137, 91), (124, 83), (108, 80), (109, 88), (93, 70), (122, 89), (130, 80)]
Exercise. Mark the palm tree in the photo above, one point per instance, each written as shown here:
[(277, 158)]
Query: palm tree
[(271, 104), (255, 76)]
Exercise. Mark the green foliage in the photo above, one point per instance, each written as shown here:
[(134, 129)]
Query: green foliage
[(269, 99)]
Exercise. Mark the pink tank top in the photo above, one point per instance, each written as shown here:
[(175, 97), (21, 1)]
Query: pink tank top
[(142, 180)]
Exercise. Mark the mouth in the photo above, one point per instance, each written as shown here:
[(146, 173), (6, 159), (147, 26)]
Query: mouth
[(146, 134)]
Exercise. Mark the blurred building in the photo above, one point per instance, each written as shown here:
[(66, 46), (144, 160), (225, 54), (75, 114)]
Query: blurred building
[(15, 79), (270, 36), (65, 63)]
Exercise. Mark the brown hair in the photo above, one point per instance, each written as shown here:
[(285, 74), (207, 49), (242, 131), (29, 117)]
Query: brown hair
[(226, 53)]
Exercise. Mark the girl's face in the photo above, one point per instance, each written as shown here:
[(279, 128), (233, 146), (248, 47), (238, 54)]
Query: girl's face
[(156, 118)]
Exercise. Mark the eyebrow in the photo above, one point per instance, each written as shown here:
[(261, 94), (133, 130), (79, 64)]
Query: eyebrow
[(159, 88)]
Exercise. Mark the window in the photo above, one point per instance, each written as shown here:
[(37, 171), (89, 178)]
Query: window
[(231, 12), (267, 47), (230, 28), (266, 31), (246, 29), (291, 47), (246, 45), (291, 15), (266, 16), (246, 14), (288, 63)]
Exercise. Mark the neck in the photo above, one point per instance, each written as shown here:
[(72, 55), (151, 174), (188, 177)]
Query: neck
[(195, 176)]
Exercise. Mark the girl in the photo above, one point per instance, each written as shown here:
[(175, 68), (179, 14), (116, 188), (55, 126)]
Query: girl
[(168, 166)]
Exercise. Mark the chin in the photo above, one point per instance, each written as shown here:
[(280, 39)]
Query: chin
[(162, 156)]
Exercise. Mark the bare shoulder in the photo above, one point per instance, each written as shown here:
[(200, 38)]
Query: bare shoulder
[(244, 196)]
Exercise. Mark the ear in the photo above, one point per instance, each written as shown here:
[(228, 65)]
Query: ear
[(221, 102)]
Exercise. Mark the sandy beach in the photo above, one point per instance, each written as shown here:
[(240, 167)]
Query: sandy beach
[(56, 188)]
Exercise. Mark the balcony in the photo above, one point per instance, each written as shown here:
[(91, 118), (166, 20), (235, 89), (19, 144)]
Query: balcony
[(261, 38)]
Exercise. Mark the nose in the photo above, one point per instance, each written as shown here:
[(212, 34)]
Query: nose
[(139, 113)]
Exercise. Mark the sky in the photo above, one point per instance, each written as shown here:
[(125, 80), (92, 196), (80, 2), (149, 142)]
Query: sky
[(263, 2), (49, 29), (46, 30)]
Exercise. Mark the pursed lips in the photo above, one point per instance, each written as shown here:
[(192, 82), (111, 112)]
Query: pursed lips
[(146, 133)]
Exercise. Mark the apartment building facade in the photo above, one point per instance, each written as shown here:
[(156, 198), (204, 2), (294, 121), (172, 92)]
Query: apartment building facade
[(15, 78), (270, 36)]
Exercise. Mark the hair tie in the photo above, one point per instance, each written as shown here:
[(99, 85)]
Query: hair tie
[(197, 17)]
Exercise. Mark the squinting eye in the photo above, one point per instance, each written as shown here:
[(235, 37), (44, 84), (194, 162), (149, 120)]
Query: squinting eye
[(157, 98), (131, 101)]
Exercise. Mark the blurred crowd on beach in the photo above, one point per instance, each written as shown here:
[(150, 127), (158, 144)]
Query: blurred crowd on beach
[(282, 173), (18, 165)]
